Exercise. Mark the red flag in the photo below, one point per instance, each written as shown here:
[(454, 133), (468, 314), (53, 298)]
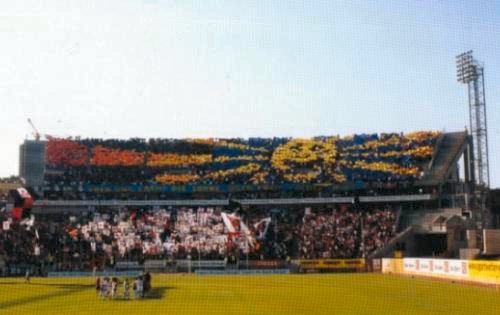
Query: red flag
[(17, 213), (27, 199)]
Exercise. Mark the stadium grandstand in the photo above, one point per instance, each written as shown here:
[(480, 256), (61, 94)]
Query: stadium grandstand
[(249, 157), (99, 202)]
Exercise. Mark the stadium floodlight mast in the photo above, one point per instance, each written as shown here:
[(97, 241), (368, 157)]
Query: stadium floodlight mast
[(471, 73)]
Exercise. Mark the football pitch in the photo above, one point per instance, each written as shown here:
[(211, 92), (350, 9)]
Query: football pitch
[(269, 294)]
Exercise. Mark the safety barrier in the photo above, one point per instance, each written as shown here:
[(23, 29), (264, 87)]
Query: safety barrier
[(262, 264), (188, 265), (128, 265), (242, 271), (332, 264), (56, 274), (155, 265)]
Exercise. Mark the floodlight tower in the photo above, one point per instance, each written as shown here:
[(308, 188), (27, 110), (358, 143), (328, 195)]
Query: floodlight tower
[(471, 73)]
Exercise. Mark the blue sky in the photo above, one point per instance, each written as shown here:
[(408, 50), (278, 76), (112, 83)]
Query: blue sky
[(241, 68)]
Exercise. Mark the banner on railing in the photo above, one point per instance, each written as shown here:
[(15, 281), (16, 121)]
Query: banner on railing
[(266, 264), (484, 270), (467, 270), (446, 267), (217, 188)]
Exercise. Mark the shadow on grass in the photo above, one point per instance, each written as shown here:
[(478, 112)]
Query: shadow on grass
[(156, 293), (57, 285), (67, 289)]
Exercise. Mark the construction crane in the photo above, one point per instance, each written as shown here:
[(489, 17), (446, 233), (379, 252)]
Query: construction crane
[(36, 134)]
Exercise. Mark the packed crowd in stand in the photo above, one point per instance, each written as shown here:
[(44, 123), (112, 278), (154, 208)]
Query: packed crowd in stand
[(345, 234), (329, 235), (125, 233), (254, 168), (96, 240), (199, 232), (378, 230), (331, 160), (175, 234), (17, 242)]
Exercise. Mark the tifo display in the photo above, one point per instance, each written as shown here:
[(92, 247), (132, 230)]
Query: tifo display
[(372, 157)]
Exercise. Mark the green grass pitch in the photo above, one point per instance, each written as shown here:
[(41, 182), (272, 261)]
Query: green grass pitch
[(269, 294)]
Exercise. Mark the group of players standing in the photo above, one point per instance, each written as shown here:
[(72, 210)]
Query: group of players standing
[(107, 288)]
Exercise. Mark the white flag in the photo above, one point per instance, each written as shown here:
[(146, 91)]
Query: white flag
[(232, 222), (261, 227), (29, 222)]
